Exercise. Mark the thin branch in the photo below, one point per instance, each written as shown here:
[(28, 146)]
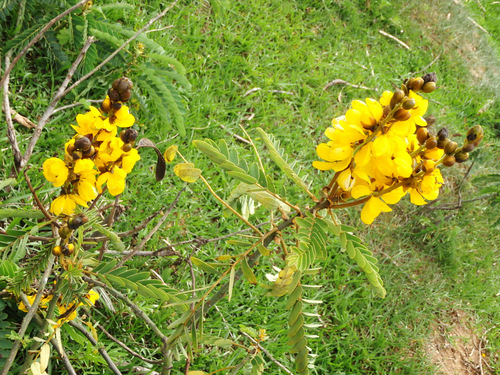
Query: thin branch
[(11, 132), (460, 205), (55, 99), (342, 82), (153, 231), (29, 316), (100, 348), (65, 107), (132, 38), (38, 36), (256, 343), (35, 196), (135, 354), (394, 38)]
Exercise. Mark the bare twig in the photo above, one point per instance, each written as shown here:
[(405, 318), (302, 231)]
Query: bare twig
[(29, 316), (100, 348), (38, 36), (153, 231), (135, 354), (256, 343), (39, 204), (57, 96), (461, 203), (160, 29), (394, 38), (11, 132), (20, 119), (132, 38), (342, 82), (65, 107)]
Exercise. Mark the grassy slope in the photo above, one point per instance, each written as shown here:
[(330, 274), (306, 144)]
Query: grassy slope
[(431, 261)]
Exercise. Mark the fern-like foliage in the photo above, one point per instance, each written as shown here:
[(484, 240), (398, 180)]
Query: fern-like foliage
[(5, 329)]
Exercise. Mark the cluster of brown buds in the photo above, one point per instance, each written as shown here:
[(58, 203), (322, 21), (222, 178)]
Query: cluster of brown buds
[(70, 224)]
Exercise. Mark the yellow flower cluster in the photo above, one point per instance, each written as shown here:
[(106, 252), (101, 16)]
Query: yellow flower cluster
[(377, 156), (93, 157), (66, 311)]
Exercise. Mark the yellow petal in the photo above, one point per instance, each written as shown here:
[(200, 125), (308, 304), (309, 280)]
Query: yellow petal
[(359, 191), (323, 165), (394, 196), (170, 153), (416, 198)]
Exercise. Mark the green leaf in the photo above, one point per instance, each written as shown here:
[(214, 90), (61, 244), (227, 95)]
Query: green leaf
[(113, 237), (247, 272), (242, 177), (204, 266), (232, 275)]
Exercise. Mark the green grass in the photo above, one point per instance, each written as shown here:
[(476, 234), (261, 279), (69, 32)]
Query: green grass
[(431, 261)]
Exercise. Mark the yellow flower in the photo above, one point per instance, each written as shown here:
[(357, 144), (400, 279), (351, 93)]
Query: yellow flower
[(84, 168), (129, 160), (44, 302), (115, 181), (92, 296), (55, 171), (108, 153), (427, 188), (66, 204), (123, 118), (88, 123), (372, 209)]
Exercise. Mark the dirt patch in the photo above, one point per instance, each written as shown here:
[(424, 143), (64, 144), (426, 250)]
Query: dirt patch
[(455, 348)]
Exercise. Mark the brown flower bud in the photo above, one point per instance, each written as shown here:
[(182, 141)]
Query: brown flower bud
[(77, 221), (404, 88), (422, 135), (89, 152), (442, 143), (461, 156), (127, 147), (443, 134), (409, 103), (449, 160), (83, 144), (431, 143), (114, 96), (106, 105), (450, 147), (125, 96), (128, 135), (468, 147), (429, 87), (76, 155), (475, 134), (65, 232), (68, 249), (70, 148), (117, 106), (430, 77), (402, 115), (124, 84), (415, 84), (387, 110), (397, 97)]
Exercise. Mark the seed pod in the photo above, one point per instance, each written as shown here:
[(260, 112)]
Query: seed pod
[(450, 147), (431, 120), (83, 144), (431, 143), (442, 143), (57, 250), (449, 160), (416, 84), (468, 147), (443, 134), (430, 77), (461, 156), (422, 135), (127, 147), (409, 103), (65, 232), (125, 96), (397, 97), (402, 114), (429, 87), (114, 96)]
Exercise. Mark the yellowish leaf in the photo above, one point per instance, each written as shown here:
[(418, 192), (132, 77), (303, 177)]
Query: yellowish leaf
[(44, 357), (197, 372), (170, 153), (187, 172)]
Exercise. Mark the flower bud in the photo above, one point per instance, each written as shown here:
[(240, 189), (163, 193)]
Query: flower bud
[(475, 134), (422, 135), (404, 88), (450, 147), (461, 156), (65, 232), (468, 147), (429, 87), (442, 143), (125, 96), (106, 105), (443, 134), (127, 147), (114, 96), (124, 84), (428, 166), (70, 148), (415, 84), (68, 249), (449, 160), (76, 155), (129, 135), (431, 143), (117, 106), (77, 221), (89, 152), (387, 110), (57, 250), (430, 77), (409, 103), (397, 97), (83, 144), (402, 115)]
